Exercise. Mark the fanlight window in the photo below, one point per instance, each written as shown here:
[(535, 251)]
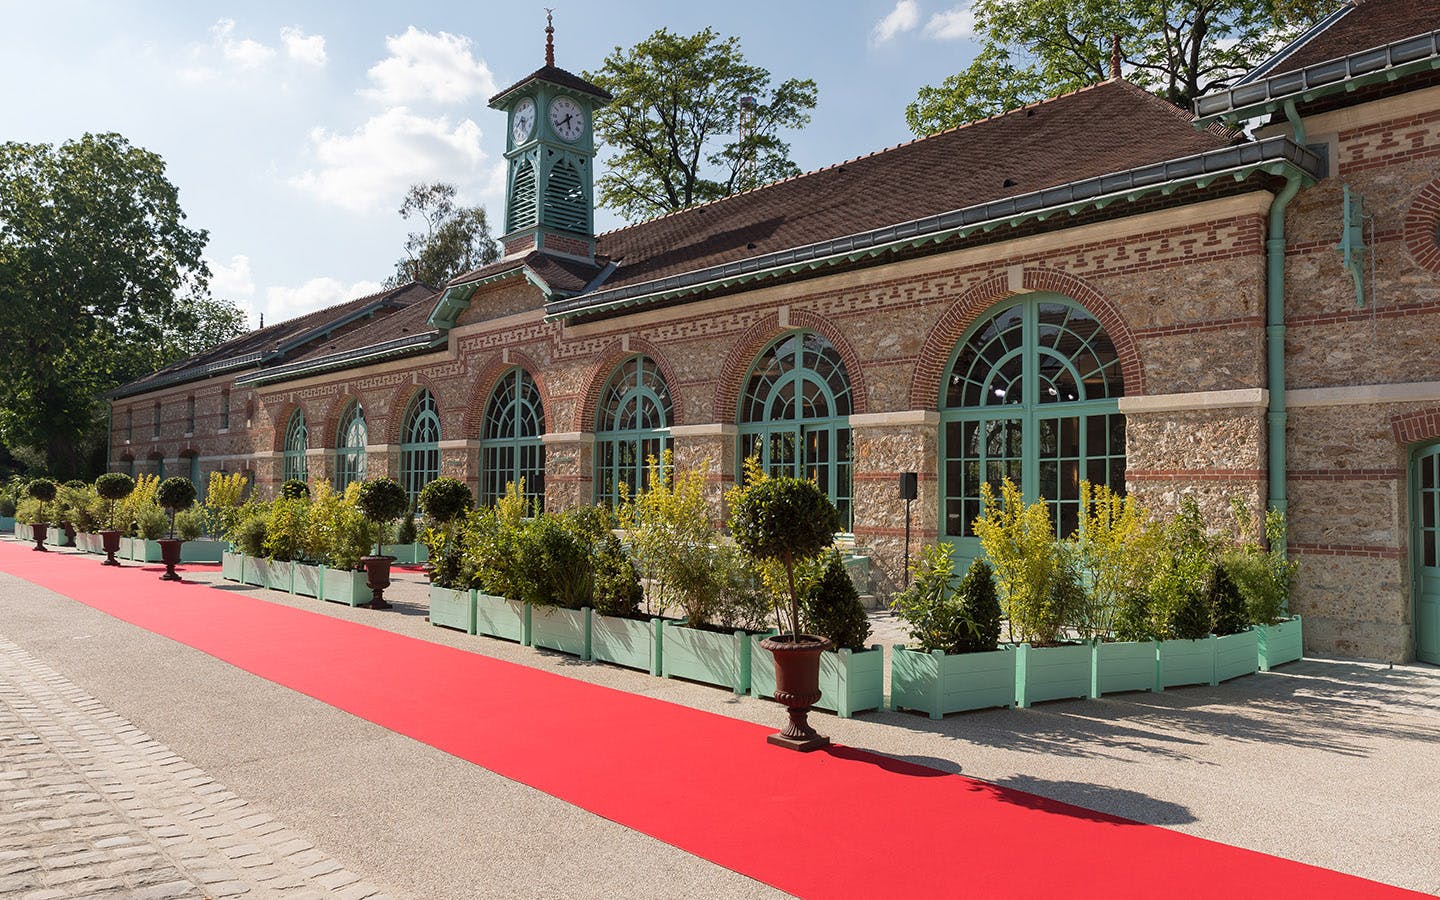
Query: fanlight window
[(632, 427), (795, 415), (1031, 395), (350, 450), (420, 445), (510, 441), (297, 440)]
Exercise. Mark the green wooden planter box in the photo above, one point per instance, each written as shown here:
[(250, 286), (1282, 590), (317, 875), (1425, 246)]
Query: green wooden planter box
[(232, 566), (269, 573), (850, 682), (94, 543), (1124, 666), (450, 608), (498, 617), (345, 586), (938, 683), (407, 554), (1237, 654), (87, 542), (143, 551), (566, 630), (7, 523), (308, 581), (23, 531), (633, 643), (1186, 662), (708, 657), (1052, 673), (1279, 644)]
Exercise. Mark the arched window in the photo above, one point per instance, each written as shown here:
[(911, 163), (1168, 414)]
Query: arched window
[(297, 440), (632, 425), (795, 415), (420, 445), (1031, 394), (510, 446), (350, 448)]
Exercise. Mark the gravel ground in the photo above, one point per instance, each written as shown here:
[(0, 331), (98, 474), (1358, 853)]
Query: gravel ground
[(1324, 761)]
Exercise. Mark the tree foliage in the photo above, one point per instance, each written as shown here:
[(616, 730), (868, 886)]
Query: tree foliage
[(100, 282), (1179, 49), (454, 240), (675, 123)]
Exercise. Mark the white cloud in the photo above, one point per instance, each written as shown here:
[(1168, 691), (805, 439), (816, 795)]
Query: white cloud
[(373, 165), (952, 24), (422, 67), (231, 280), (904, 17), (301, 47), (244, 52), (283, 303)]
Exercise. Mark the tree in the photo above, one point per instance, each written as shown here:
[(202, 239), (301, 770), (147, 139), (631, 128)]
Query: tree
[(456, 239), (1179, 49), (101, 282), (676, 123)]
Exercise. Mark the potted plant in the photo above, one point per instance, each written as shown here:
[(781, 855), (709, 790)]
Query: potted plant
[(42, 490), (1182, 591), (494, 564), (1236, 642), (620, 631), (958, 663), (446, 501), (382, 501), (7, 511), (1263, 576), (112, 487), (174, 495), (559, 550), (788, 520)]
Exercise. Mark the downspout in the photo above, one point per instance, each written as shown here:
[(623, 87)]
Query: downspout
[(1275, 321)]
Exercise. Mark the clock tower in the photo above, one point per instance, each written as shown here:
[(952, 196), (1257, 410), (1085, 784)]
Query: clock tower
[(550, 180)]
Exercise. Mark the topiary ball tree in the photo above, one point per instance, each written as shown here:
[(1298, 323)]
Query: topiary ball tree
[(786, 519), (42, 489), (446, 499), (175, 494), (295, 489), (112, 488), (382, 501)]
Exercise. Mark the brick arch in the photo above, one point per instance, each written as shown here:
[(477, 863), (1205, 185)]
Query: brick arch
[(282, 425), (485, 384), (1422, 220), (600, 374), (400, 402), (1414, 427), (760, 335), (329, 433), (969, 306)]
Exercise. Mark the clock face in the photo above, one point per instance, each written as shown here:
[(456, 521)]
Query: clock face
[(567, 119), (524, 120)]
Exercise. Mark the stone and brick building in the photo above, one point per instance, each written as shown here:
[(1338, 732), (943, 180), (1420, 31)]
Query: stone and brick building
[(1097, 286)]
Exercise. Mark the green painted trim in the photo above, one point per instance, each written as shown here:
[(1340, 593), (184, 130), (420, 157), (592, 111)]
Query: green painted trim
[(452, 303), (1277, 415)]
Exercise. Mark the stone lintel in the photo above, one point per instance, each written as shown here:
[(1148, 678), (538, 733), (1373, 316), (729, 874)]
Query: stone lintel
[(928, 417), (566, 437), (1244, 398), (459, 444), (1364, 394), (709, 429)]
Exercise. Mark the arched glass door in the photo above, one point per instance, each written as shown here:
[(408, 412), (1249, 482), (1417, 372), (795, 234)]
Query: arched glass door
[(420, 445), (350, 448), (511, 449), (297, 439), (632, 425), (1425, 549)]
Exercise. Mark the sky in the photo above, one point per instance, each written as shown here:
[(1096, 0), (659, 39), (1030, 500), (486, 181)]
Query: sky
[(292, 129)]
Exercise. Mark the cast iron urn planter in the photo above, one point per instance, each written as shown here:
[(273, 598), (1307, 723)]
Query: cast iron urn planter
[(40, 530), (111, 544), (377, 578), (797, 685), (170, 555)]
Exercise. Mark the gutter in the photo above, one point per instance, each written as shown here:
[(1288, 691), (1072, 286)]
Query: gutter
[(345, 359), (195, 373), (1274, 155)]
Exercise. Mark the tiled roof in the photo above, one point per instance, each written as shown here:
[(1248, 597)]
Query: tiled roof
[(1370, 23), (557, 75), (1108, 127), (251, 345), (407, 322)]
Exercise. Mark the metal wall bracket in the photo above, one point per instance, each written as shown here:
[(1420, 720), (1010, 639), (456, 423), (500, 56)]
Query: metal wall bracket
[(1352, 248)]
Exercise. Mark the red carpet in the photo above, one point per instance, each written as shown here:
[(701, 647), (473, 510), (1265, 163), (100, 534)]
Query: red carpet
[(865, 825)]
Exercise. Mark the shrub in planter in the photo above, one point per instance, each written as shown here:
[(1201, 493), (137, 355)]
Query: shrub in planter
[(445, 501), (944, 616), (668, 526), (44, 491), (7, 506), (286, 528), (1115, 552), (1226, 605), (174, 495), (407, 533), (382, 501), (190, 523), (113, 487), (224, 498), (1019, 541), (247, 529), (294, 489), (150, 522), (337, 533), (617, 590), (832, 607)]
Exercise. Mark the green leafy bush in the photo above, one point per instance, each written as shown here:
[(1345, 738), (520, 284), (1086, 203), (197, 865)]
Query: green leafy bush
[(787, 520), (1115, 553), (493, 542), (944, 615), (190, 524), (151, 522), (42, 489), (1181, 588), (247, 528), (1019, 541), (406, 533), (555, 558), (1254, 578), (382, 500), (7, 506), (832, 607), (113, 487), (669, 528), (287, 526), (1226, 605), (446, 499), (294, 489), (337, 534), (617, 589), (29, 511)]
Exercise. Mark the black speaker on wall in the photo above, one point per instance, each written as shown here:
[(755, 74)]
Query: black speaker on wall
[(909, 486)]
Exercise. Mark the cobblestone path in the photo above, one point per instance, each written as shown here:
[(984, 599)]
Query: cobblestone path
[(90, 806)]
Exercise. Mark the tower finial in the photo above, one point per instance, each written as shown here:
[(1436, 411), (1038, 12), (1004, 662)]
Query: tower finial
[(1115, 55), (549, 36)]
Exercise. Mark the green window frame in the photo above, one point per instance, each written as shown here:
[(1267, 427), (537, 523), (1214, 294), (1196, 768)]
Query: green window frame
[(1031, 393), (794, 415), (511, 445), (420, 445), (632, 424), (294, 466), (350, 446)]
